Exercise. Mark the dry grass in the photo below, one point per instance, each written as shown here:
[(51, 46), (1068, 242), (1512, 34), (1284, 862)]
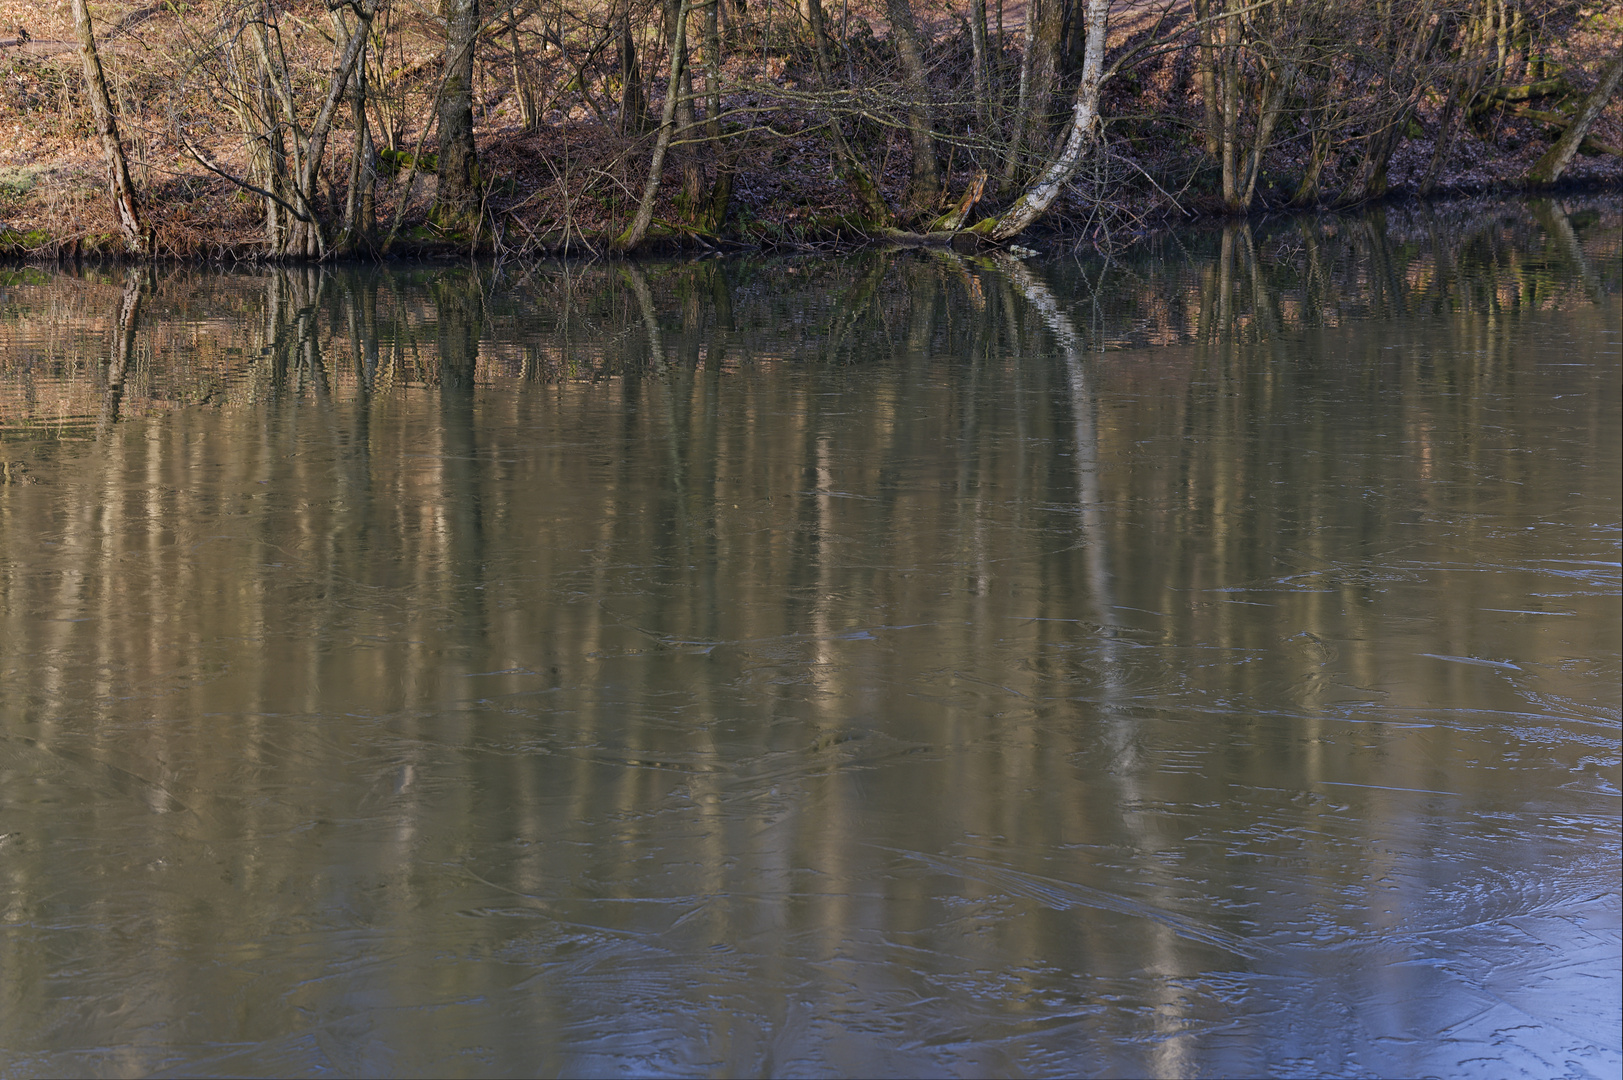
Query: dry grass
[(577, 177)]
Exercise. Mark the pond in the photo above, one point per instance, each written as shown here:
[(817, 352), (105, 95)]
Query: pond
[(1204, 662)]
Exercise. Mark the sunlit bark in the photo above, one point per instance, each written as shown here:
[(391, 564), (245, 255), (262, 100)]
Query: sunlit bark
[(119, 184), (1079, 139)]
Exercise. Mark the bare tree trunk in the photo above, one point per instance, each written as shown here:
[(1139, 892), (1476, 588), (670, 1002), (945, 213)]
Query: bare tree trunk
[(523, 88), (983, 89), (1319, 118), (1022, 100), (358, 196), (1502, 41), (638, 229), (1045, 65), (1548, 169), (856, 176), (1045, 24), (1307, 191), (1084, 129), (1378, 151), (119, 184), (274, 73), (691, 198), (1461, 92), (721, 192), (456, 199), (315, 149), (1228, 78), (633, 103), (925, 188), (297, 230), (1205, 73), (1404, 59), (251, 99), (1277, 85)]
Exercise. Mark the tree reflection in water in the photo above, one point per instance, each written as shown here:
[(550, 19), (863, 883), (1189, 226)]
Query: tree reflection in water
[(918, 663)]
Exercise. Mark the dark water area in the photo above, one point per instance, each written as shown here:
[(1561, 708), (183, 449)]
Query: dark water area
[(1202, 664)]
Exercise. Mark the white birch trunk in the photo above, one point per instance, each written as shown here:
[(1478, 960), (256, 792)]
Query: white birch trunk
[(1084, 129)]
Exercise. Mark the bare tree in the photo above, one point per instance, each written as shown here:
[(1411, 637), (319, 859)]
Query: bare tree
[(456, 200), (1395, 62), (874, 211), (714, 213), (1039, 67), (690, 199), (243, 65), (1079, 138), (638, 229), (924, 190), (1548, 169), (1461, 80), (633, 104), (119, 184)]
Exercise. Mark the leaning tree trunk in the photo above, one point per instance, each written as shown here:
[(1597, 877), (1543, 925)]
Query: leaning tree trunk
[(1404, 61), (316, 146), (456, 200), (1319, 116), (1083, 131), (1548, 169), (1278, 79), (638, 229), (523, 87), (119, 184), (359, 205), (267, 147)]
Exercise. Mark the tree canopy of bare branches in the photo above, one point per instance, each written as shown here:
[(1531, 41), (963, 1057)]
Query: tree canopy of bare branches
[(530, 126)]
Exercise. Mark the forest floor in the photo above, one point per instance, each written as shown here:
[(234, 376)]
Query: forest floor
[(570, 183)]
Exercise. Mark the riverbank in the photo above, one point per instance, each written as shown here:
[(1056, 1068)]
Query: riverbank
[(561, 171)]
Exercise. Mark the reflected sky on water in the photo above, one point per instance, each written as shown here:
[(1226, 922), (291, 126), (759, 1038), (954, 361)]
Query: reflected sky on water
[(1202, 664)]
